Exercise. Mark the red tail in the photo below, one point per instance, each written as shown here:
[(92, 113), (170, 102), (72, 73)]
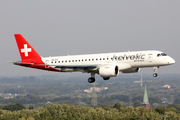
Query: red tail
[(27, 52)]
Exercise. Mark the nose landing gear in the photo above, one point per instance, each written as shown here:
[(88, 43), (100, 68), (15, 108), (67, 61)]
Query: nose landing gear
[(155, 75), (155, 70)]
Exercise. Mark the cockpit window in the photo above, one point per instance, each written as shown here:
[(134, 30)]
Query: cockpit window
[(161, 54)]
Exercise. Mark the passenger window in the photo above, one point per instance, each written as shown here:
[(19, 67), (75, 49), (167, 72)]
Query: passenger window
[(103, 58), (62, 61), (96, 59), (115, 58), (59, 61), (72, 60)]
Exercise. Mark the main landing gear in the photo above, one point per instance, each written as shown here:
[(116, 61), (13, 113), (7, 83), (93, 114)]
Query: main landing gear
[(92, 78), (155, 70), (107, 78)]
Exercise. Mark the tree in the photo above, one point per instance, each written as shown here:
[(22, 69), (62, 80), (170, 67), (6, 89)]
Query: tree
[(177, 100), (15, 107), (136, 98), (155, 105), (176, 106), (31, 107), (154, 99), (118, 106), (160, 110), (137, 103)]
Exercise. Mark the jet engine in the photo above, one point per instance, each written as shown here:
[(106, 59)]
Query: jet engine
[(108, 71), (131, 70)]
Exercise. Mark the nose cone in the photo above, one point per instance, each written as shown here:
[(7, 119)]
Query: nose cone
[(171, 61)]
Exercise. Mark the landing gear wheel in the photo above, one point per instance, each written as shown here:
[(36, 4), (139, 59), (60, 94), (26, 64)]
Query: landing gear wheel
[(106, 78), (155, 75), (91, 79)]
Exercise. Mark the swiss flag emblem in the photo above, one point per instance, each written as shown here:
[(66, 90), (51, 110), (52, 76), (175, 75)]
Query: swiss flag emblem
[(25, 50)]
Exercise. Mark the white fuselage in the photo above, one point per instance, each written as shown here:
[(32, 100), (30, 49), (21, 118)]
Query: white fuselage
[(124, 60)]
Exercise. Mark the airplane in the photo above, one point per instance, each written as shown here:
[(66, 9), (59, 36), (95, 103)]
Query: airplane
[(105, 64)]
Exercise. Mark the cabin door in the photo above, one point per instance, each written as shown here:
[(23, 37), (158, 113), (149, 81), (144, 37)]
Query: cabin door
[(47, 64), (150, 57)]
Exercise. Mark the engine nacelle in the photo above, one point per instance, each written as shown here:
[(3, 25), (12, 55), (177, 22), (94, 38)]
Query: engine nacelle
[(132, 70), (108, 71)]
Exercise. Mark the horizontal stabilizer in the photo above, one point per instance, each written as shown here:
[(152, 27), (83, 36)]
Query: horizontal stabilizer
[(20, 63)]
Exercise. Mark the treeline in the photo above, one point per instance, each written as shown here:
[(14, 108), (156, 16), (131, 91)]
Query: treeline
[(71, 91), (28, 99), (77, 100), (71, 112)]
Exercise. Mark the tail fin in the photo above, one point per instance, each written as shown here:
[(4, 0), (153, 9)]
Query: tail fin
[(26, 51)]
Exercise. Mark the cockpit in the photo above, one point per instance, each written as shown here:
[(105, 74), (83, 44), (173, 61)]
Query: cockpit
[(161, 54)]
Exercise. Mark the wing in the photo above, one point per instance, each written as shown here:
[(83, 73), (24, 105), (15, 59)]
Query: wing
[(77, 68), (88, 68)]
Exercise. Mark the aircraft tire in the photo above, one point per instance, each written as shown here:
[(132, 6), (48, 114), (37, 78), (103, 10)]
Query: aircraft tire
[(155, 75), (106, 78), (91, 79)]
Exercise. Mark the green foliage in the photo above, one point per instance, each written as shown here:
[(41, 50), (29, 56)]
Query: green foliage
[(154, 99), (15, 107), (176, 106), (137, 104), (137, 98), (31, 107), (160, 110), (177, 100), (71, 112), (118, 106)]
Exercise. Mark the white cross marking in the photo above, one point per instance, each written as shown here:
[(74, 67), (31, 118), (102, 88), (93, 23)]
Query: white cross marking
[(26, 50)]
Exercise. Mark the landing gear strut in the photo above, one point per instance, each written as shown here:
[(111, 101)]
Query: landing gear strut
[(92, 78), (155, 70)]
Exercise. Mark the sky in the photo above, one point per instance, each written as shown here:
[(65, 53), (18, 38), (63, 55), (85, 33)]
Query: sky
[(62, 27)]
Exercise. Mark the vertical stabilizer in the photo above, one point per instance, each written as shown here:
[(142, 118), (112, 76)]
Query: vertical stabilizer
[(26, 51)]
